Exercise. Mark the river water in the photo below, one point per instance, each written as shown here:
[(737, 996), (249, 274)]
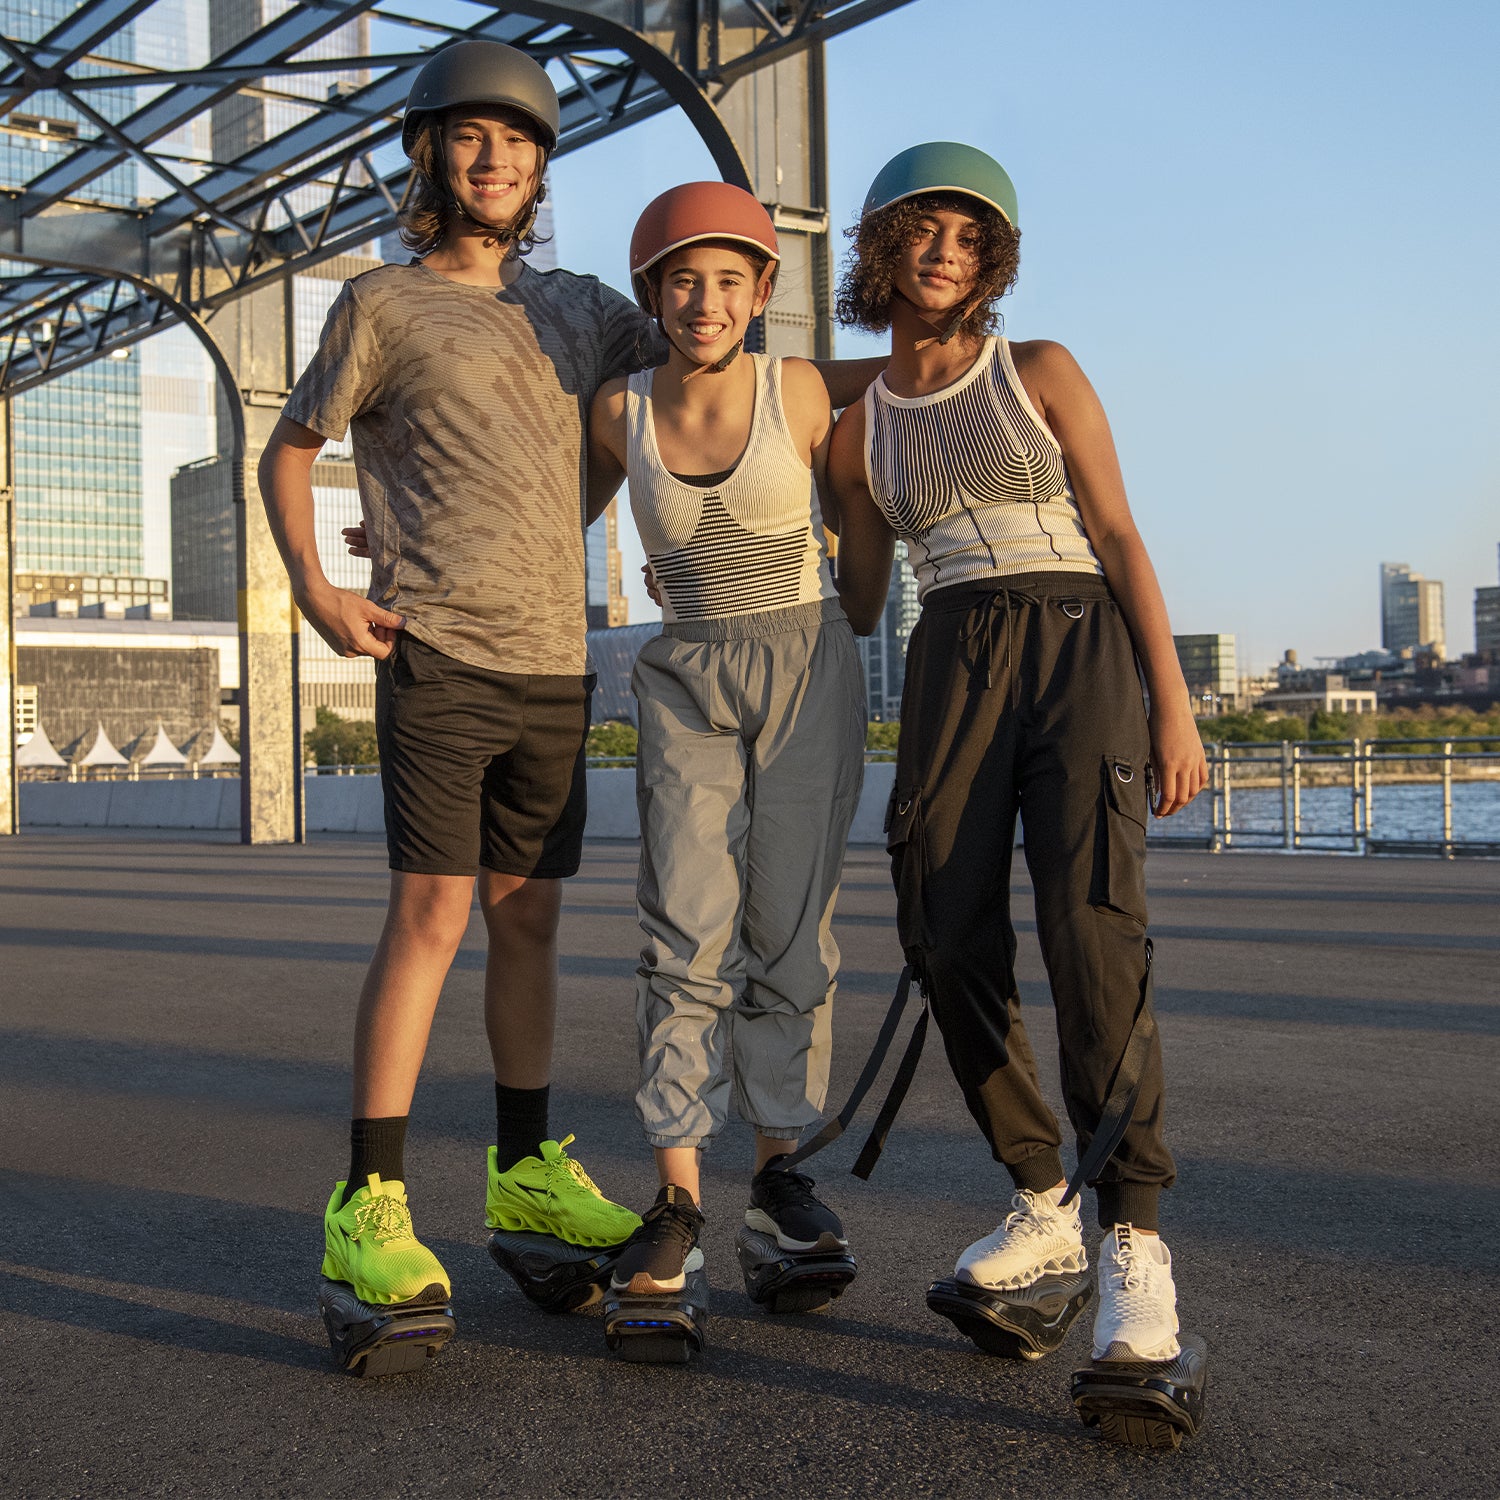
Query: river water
[(1399, 813)]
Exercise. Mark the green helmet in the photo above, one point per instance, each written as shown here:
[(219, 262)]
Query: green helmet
[(943, 167)]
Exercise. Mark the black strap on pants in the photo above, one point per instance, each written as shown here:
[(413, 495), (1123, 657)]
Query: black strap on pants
[(1114, 1119), (875, 1142), (1119, 1107)]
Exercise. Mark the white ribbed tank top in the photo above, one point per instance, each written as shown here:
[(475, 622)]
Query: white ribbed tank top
[(749, 544), (971, 478)]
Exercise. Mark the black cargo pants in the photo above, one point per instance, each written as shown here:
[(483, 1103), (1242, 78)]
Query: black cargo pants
[(1023, 694)]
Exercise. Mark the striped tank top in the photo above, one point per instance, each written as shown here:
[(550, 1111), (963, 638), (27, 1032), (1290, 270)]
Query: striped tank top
[(749, 542), (972, 480)]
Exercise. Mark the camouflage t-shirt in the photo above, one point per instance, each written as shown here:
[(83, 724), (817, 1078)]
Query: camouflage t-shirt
[(467, 406)]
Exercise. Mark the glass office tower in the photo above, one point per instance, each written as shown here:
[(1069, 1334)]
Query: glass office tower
[(77, 438)]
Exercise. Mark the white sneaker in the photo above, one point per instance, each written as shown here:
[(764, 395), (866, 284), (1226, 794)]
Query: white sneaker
[(1137, 1313), (1036, 1239)]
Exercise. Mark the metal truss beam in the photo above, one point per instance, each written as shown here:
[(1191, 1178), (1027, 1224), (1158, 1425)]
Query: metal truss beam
[(211, 237), (221, 225)]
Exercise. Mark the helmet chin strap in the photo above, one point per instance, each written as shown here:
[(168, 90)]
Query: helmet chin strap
[(955, 323), (505, 234), (718, 366)]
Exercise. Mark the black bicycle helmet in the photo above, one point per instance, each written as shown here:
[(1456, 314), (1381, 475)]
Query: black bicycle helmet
[(481, 72)]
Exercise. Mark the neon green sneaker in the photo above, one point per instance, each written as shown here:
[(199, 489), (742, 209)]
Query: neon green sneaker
[(371, 1246), (552, 1194)]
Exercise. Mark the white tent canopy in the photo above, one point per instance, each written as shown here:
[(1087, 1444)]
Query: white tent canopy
[(220, 752), (162, 752), (103, 752), (38, 751)]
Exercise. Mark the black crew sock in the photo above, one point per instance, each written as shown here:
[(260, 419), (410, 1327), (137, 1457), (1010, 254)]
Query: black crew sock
[(520, 1124), (376, 1146)]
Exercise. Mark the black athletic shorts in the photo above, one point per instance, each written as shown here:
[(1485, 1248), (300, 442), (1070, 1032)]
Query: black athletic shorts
[(480, 768)]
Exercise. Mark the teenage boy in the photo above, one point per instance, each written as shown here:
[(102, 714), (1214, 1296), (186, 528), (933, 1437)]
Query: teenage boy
[(464, 377)]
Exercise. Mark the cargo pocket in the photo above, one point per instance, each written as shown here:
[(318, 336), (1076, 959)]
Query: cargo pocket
[(904, 843), (1120, 842)]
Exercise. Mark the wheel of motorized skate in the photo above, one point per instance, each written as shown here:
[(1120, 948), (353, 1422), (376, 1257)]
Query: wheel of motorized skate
[(999, 1342), (656, 1349), (783, 1281), (664, 1328), (554, 1275), (1145, 1403), (373, 1340), (1022, 1324), (1138, 1432), (802, 1299)]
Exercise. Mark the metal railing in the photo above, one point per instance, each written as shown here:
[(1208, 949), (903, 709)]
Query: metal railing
[(1438, 797), (1377, 796)]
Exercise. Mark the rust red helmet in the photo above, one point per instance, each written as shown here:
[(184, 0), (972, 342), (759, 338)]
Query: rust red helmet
[(697, 211)]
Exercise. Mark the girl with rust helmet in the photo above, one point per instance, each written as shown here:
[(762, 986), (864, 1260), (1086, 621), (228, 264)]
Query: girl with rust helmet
[(1041, 616), (752, 727)]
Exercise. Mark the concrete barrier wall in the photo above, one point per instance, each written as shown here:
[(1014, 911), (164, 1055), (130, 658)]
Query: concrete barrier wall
[(341, 804), (209, 803)]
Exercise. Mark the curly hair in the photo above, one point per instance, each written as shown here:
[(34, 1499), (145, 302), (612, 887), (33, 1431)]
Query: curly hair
[(429, 209), (881, 238)]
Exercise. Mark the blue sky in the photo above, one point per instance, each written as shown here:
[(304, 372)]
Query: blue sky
[(1268, 232)]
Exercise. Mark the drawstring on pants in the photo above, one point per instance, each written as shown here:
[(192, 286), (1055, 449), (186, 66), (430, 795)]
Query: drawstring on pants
[(988, 624)]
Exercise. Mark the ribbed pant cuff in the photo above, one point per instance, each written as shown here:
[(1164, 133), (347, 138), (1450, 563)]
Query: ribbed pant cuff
[(1037, 1173), (1128, 1203), (781, 1132), (669, 1142)]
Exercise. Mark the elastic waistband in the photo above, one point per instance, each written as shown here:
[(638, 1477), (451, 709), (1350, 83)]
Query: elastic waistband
[(961, 597), (765, 622)]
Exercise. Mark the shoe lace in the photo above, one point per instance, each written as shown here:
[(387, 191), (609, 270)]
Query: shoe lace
[(383, 1218), (1024, 1217), (665, 1222), (1133, 1267), (788, 1189), (574, 1169)]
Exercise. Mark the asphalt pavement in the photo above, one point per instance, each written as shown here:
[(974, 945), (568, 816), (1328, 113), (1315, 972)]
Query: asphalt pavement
[(174, 1032)]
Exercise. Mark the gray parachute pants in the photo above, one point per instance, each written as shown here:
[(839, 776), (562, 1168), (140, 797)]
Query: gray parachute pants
[(751, 757)]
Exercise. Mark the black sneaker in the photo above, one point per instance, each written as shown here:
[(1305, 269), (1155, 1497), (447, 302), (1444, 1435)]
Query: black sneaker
[(658, 1256), (782, 1204)]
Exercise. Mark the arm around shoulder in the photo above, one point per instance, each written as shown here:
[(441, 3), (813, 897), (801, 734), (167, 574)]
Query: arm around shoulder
[(847, 379)]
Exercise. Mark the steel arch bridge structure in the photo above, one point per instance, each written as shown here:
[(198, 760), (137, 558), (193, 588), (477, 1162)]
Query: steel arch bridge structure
[(135, 195)]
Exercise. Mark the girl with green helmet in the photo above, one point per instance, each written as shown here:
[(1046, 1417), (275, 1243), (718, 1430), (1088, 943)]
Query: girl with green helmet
[(1041, 616), (751, 754)]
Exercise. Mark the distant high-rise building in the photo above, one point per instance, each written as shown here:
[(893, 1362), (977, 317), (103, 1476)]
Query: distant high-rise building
[(1392, 575), (607, 606), (1487, 619), (94, 448), (1210, 670), (1411, 610), (884, 651)]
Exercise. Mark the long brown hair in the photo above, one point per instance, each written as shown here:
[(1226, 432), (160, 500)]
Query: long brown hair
[(430, 209)]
